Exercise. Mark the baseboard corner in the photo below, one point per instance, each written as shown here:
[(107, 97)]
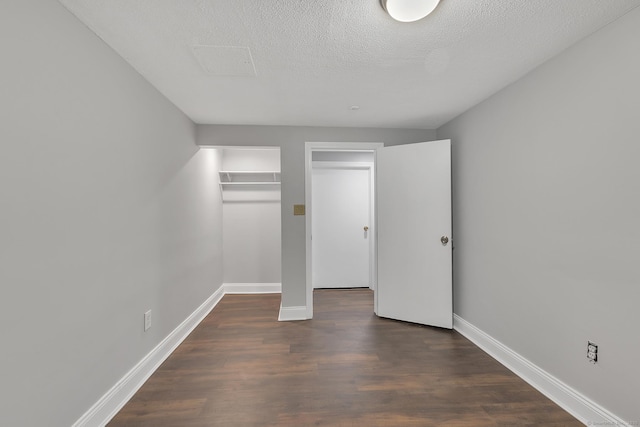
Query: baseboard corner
[(293, 313)]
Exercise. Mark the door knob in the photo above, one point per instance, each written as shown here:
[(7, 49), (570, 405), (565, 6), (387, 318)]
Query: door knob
[(444, 240), (366, 228)]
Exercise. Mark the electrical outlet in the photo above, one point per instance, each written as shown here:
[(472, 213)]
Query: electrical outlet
[(592, 352), (147, 320)]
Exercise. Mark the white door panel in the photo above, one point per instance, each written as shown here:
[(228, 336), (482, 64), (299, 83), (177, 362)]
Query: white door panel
[(414, 213), (340, 245)]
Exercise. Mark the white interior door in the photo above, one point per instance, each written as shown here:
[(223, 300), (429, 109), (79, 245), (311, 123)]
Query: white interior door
[(414, 233), (341, 203)]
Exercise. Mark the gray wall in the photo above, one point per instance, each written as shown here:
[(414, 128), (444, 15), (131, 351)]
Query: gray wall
[(547, 211), (107, 209), (291, 142)]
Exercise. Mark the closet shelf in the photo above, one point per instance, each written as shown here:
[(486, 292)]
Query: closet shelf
[(249, 178), (251, 183)]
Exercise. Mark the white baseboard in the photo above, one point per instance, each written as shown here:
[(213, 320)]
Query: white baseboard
[(252, 288), (293, 313), (109, 404), (578, 405)]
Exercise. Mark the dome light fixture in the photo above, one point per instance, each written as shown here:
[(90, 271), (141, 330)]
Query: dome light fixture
[(409, 10)]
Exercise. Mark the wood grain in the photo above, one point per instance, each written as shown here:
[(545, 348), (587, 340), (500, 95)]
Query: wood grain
[(346, 367)]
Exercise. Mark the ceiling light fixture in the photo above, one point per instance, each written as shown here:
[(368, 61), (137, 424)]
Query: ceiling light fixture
[(409, 10)]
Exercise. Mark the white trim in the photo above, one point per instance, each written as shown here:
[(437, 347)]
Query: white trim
[(585, 410), (238, 147), (309, 148), (114, 399), (252, 288), (293, 313), (323, 164)]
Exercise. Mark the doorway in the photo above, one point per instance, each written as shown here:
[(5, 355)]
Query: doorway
[(414, 257), (251, 216), (342, 219), (332, 153)]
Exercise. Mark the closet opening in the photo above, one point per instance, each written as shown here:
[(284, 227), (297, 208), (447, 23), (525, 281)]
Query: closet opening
[(249, 180)]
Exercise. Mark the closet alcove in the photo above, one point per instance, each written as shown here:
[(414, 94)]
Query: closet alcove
[(249, 180)]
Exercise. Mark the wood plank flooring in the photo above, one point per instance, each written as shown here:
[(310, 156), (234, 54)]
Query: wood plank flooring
[(346, 367)]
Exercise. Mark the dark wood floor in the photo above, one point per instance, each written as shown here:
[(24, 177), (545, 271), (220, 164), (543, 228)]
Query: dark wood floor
[(346, 367)]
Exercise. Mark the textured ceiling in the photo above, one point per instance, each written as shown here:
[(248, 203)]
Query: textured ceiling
[(306, 62)]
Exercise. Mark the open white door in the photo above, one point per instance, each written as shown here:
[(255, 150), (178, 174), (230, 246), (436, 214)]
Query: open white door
[(414, 233)]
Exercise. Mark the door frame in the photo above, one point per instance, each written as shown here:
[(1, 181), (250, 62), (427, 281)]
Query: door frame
[(309, 148)]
